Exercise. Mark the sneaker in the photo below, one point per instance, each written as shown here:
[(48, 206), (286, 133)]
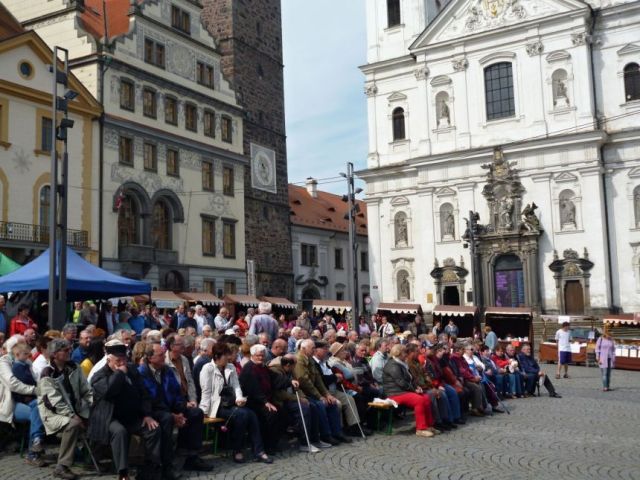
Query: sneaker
[(35, 461), (37, 446), (62, 471), (307, 449), (424, 433), (321, 444), (435, 431)]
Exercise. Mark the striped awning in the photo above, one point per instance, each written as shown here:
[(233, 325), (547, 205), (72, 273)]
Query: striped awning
[(337, 305), (246, 300), (166, 299), (508, 311), (625, 319), (204, 298), (280, 302), (399, 307), (454, 310)]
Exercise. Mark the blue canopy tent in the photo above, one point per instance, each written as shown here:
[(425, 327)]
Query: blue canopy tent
[(84, 280)]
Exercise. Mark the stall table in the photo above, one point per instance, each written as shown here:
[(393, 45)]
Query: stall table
[(626, 323), (549, 353)]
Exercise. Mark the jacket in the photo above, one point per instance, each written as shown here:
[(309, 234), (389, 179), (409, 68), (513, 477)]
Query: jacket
[(420, 377), (170, 397), (377, 363), (106, 385), (528, 364), (366, 377), (309, 377), (462, 369), (9, 383), (54, 409), (396, 379), (433, 368), (257, 396), (605, 351), (264, 324), (186, 369), (287, 393), (211, 381)]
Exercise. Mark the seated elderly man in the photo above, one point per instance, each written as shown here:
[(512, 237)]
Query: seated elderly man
[(263, 322), (64, 400), (533, 373), (379, 359), (278, 349), (433, 366), (398, 386), (177, 361), (296, 334), (122, 408), (311, 384), (171, 407), (206, 350)]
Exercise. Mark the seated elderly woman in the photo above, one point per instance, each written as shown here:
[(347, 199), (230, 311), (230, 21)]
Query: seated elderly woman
[(398, 386), (222, 397)]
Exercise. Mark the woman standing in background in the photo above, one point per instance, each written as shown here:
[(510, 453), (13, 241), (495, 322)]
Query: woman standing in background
[(606, 358)]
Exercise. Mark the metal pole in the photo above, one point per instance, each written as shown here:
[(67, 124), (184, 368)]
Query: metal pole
[(53, 183), (62, 288), (352, 285)]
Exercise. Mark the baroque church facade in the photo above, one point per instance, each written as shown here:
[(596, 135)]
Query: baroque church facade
[(504, 140)]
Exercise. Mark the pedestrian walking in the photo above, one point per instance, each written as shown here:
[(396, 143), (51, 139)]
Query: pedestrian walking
[(606, 358), (563, 338)]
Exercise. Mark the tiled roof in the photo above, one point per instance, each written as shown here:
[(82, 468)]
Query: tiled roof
[(327, 211), (9, 26), (93, 22)]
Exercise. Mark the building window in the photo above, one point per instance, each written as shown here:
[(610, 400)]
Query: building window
[(149, 103), (173, 162), (364, 261), (338, 259), (127, 95), (153, 53), (180, 19), (161, 224), (46, 134), (498, 88), (204, 74), (191, 117), (207, 176), (632, 82), (127, 222), (45, 205), (209, 118), (229, 239), (208, 236), (171, 110), (308, 255), (340, 296), (209, 286), (225, 129), (126, 151), (227, 181), (150, 157), (398, 124), (393, 13), (229, 287)]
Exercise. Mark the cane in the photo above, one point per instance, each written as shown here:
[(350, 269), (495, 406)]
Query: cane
[(304, 425), (499, 401), (354, 414)]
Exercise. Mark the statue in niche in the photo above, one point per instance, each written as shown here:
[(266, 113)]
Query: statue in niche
[(567, 213), (444, 115), (636, 206), (562, 98), (402, 238), (449, 225), (530, 220), (506, 213), (404, 288)]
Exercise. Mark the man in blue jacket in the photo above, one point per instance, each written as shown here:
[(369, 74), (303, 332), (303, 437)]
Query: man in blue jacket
[(171, 408), (531, 370)]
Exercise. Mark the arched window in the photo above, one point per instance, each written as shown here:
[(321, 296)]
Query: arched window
[(567, 210), (393, 13), (398, 124), (45, 205), (636, 205), (447, 222), (632, 82), (559, 87), (161, 226), (128, 221), (404, 285), (498, 88), (401, 229)]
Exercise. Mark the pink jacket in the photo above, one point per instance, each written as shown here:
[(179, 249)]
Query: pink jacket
[(606, 349)]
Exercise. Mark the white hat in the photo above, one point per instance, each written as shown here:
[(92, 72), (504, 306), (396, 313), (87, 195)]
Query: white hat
[(230, 331)]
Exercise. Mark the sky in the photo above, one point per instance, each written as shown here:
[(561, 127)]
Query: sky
[(325, 105)]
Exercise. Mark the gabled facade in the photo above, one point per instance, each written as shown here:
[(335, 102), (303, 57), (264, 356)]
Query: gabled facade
[(547, 86), (172, 138), (25, 151)]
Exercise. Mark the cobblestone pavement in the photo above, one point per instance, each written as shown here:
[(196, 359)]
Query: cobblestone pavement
[(588, 434)]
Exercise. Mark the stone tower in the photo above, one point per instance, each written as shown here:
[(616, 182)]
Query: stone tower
[(249, 36)]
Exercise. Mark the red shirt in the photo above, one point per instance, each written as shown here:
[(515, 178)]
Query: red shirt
[(242, 327), (19, 325)]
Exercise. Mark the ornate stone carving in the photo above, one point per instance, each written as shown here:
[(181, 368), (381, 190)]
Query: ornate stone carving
[(401, 232), (572, 270), (448, 262), (535, 48), (503, 192), (579, 38), (460, 64), (530, 220), (370, 89), (570, 254), (404, 286), (421, 73), (449, 276)]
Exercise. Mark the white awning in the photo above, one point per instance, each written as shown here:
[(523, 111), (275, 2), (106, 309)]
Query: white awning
[(337, 305), (627, 319), (454, 310), (400, 307)]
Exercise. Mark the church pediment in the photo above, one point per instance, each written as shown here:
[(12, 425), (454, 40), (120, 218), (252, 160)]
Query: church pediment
[(631, 48), (565, 177), (634, 172), (464, 18), (445, 192), (396, 97)]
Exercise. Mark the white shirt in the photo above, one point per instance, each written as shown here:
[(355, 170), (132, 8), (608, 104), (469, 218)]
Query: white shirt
[(564, 340), (201, 321), (38, 365)]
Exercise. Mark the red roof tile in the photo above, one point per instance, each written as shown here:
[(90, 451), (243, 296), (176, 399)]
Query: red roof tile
[(327, 211), (117, 18), (9, 26)]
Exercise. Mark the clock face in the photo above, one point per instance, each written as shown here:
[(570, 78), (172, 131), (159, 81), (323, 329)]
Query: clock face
[(263, 168)]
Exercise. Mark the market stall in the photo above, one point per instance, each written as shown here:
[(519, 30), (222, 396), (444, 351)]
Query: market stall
[(400, 313), (465, 318), (582, 331), (202, 298), (281, 306), (549, 352), (166, 299), (236, 303), (625, 329), (510, 323)]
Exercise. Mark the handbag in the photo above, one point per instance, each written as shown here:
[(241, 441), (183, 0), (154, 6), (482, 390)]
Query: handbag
[(227, 394)]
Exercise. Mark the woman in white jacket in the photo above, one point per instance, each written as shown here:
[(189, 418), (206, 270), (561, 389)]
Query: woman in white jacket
[(222, 397)]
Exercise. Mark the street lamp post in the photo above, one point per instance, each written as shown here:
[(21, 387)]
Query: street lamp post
[(353, 209), (471, 236)]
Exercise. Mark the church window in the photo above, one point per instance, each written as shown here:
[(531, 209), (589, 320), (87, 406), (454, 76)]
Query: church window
[(398, 124), (632, 82), (393, 13), (498, 87)]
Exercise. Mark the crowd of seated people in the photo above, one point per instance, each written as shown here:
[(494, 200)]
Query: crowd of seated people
[(307, 376)]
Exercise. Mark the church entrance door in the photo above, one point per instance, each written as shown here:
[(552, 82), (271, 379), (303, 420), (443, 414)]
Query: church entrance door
[(509, 281), (573, 298), (451, 295)]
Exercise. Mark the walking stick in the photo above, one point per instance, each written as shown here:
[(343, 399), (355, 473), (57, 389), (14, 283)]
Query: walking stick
[(498, 397), (304, 425), (355, 414)]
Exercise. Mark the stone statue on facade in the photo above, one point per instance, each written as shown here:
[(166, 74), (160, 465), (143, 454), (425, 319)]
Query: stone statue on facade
[(444, 115), (530, 220), (449, 225), (506, 213), (404, 287), (567, 213), (402, 239)]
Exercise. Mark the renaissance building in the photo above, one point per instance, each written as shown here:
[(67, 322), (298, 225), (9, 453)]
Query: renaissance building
[(521, 116)]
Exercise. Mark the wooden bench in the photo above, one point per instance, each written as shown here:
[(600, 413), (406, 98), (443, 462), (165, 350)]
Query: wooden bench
[(211, 423), (381, 408)]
